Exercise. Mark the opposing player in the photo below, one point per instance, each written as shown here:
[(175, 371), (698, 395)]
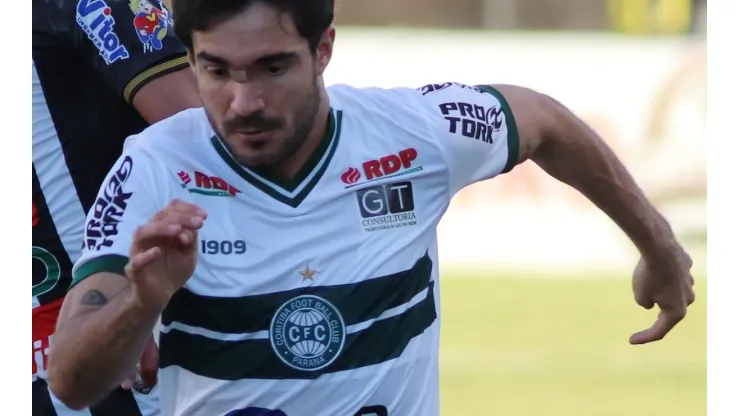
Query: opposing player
[(287, 232), (97, 79)]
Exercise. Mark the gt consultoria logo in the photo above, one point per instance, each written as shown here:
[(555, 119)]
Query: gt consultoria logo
[(307, 333), (385, 207)]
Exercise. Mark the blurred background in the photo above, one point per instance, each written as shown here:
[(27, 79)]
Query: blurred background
[(536, 293)]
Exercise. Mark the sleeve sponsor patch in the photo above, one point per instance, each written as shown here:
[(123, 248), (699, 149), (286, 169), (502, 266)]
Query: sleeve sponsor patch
[(109, 208), (152, 20), (430, 88), (473, 120), (95, 18)]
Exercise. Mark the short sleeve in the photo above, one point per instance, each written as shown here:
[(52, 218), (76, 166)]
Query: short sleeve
[(125, 201), (130, 42), (474, 129)]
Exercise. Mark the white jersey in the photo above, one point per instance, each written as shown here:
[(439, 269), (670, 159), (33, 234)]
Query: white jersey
[(318, 295)]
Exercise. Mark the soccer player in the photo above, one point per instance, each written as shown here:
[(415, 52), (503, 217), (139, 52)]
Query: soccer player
[(286, 232), (96, 80)]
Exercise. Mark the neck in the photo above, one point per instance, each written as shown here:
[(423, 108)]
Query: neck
[(290, 166)]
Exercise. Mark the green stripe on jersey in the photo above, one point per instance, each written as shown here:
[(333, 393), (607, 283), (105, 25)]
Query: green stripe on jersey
[(290, 192), (512, 136), (110, 263), (299, 333), (357, 302), (379, 342)]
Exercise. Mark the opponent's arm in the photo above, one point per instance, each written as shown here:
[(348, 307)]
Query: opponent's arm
[(167, 95), (568, 150), (101, 333), (151, 73)]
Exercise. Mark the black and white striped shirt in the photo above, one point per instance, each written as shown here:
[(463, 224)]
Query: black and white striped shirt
[(89, 60)]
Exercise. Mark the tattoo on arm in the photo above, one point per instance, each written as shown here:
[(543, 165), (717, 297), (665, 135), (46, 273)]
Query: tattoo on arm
[(94, 298)]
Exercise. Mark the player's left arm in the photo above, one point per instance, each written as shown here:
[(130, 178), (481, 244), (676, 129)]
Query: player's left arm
[(488, 130), (567, 149), (138, 55)]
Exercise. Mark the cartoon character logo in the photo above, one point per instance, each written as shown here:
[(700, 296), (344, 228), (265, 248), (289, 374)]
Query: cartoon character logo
[(151, 22)]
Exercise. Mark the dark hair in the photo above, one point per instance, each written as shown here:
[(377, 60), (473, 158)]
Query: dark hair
[(311, 17)]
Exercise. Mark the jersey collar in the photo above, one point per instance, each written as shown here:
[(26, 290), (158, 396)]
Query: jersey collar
[(291, 192)]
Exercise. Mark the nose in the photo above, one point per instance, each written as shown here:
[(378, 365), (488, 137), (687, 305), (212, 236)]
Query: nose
[(247, 99)]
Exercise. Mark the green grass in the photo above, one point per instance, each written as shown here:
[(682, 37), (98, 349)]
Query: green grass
[(517, 347)]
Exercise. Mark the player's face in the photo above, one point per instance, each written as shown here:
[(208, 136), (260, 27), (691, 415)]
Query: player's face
[(260, 84)]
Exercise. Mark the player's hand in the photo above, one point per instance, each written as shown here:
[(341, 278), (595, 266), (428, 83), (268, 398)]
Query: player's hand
[(668, 283), (164, 252)]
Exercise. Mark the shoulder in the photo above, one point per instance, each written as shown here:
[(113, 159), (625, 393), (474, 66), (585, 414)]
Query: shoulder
[(423, 113), (400, 103), (168, 149), (390, 114), (380, 121), (404, 96), (376, 100), (151, 160), (182, 133)]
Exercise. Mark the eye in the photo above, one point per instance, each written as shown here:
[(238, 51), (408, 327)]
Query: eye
[(217, 71), (276, 69)]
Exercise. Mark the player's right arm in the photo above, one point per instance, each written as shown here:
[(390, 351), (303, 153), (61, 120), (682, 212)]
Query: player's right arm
[(101, 334), (108, 316)]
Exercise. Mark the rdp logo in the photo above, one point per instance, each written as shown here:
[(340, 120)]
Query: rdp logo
[(207, 185), (393, 198), (385, 167)]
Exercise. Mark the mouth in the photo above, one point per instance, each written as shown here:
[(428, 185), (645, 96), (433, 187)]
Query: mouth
[(253, 134)]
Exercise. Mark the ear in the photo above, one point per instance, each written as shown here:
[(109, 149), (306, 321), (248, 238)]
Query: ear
[(325, 49)]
